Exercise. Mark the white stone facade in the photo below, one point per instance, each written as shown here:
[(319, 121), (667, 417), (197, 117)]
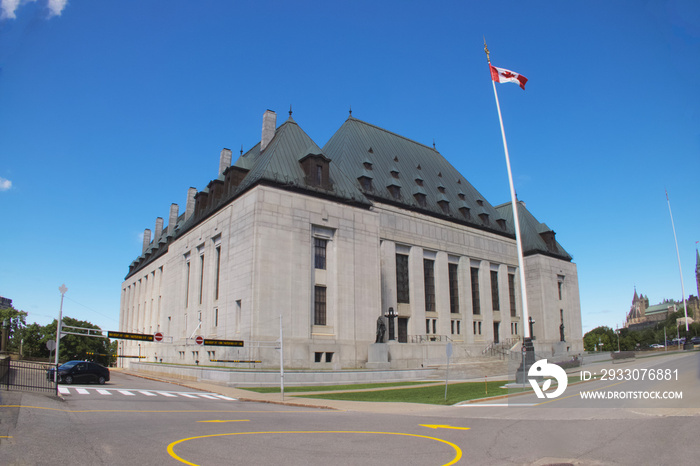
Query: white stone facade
[(328, 268)]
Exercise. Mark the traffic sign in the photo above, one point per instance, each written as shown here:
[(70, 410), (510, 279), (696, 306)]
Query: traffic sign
[(129, 336), (199, 340), (158, 336), (222, 342)]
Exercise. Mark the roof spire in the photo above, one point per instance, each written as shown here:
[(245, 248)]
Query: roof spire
[(290, 110), (433, 143), (241, 149), (350, 112)]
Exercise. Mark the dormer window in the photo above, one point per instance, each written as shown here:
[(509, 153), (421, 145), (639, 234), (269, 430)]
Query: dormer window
[(465, 212), (395, 191), (484, 219), (421, 199), (395, 174), (480, 202), (501, 223), (419, 181), (367, 165), (365, 182), (445, 206), (549, 241), (316, 169), (461, 196), (441, 189)]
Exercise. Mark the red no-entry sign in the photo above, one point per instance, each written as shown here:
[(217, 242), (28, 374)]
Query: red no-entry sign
[(158, 337), (199, 340)]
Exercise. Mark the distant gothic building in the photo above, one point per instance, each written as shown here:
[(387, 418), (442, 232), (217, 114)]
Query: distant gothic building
[(642, 316), (322, 243)]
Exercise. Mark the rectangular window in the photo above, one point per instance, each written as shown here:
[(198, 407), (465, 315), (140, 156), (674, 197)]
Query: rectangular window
[(476, 305), (319, 175), (187, 286), (320, 246), (494, 291), (318, 357), (329, 357), (454, 288), (427, 326), (429, 277), (402, 295), (238, 316), (218, 271), (319, 305), (511, 294), (201, 277), (560, 285), (216, 317)]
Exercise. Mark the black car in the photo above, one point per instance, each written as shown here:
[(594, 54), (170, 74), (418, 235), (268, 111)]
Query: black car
[(695, 340), (80, 372)]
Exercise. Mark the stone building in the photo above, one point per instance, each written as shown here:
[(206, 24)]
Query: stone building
[(322, 243)]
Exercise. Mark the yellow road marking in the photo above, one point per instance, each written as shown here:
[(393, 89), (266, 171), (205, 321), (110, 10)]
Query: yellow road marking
[(171, 451), (233, 420), (437, 426), (5, 436)]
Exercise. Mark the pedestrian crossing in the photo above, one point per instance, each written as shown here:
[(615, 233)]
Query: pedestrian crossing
[(70, 391)]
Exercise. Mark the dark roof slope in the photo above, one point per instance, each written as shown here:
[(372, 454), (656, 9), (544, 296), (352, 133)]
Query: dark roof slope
[(426, 181), (279, 164), (537, 237)]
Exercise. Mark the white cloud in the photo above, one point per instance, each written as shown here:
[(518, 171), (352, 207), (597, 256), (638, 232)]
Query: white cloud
[(56, 7), (8, 8), (5, 184)]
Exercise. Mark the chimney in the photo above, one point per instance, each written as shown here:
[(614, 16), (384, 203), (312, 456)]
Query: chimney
[(172, 220), (146, 240), (268, 128), (159, 228), (189, 208), (224, 160)]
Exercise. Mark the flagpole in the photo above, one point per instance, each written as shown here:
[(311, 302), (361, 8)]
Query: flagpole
[(680, 270), (516, 221)]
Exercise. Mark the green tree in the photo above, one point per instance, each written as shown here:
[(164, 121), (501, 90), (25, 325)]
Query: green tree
[(16, 321), (598, 335), (34, 337)]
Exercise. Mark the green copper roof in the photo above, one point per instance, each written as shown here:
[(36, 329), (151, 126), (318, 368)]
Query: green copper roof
[(394, 161), (532, 232), (279, 164)]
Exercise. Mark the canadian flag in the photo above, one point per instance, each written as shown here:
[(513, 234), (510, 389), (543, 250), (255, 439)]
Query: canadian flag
[(502, 75)]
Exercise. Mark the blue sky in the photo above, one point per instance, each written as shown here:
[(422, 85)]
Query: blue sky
[(110, 110)]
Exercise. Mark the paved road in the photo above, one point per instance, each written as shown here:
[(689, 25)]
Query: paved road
[(136, 423)]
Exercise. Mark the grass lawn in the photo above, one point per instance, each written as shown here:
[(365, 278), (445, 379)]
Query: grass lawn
[(429, 395)]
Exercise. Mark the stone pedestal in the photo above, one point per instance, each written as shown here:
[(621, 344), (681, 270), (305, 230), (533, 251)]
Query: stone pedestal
[(378, 356)]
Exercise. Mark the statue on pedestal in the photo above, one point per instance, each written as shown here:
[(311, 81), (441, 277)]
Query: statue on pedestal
[(381, 330)]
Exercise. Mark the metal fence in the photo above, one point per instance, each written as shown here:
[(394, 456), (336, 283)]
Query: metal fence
[(25, 375)]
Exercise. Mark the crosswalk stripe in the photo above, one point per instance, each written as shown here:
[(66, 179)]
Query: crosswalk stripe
[(187, 395), (147, 393), (81, 391), (104, 392), (125, 392), (63, 391), (167, 394), (210, 397), (223, 397)]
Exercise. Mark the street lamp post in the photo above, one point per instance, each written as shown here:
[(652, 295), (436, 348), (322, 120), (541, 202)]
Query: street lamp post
[(391, 314), (63, 290)]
